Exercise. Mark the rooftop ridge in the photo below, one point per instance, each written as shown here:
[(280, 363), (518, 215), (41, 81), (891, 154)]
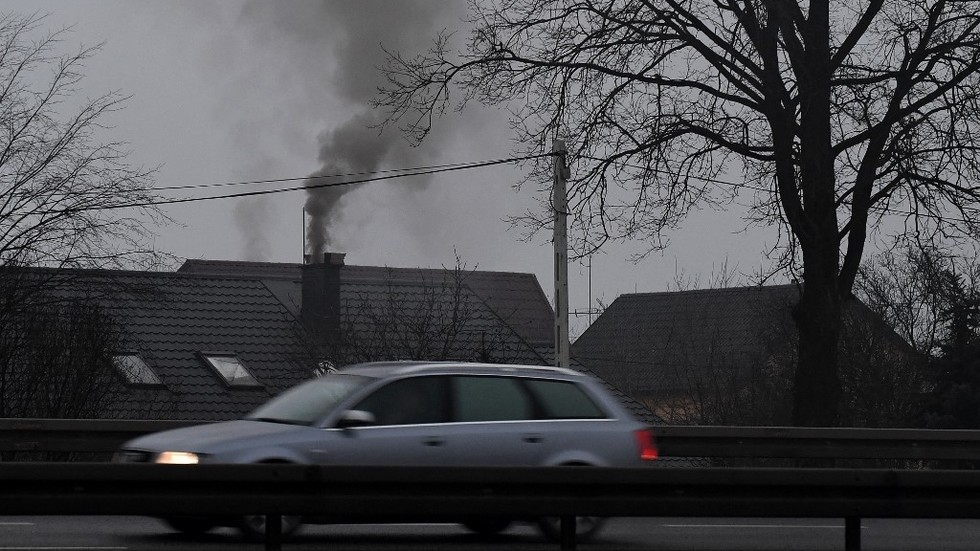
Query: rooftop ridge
[(192, 264), (717, 290), (131, 273)]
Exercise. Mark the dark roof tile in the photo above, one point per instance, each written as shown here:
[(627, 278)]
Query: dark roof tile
[(644, 343), (252, 309)]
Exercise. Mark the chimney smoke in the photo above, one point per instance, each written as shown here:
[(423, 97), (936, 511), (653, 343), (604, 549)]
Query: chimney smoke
[(352, 148), (351, 35)]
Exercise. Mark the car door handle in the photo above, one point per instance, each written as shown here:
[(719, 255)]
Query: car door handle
[(433, 441), (533, 438)]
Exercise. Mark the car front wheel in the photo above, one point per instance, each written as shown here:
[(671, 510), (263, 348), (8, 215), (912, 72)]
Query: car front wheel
[(586, 528), (253, 526)]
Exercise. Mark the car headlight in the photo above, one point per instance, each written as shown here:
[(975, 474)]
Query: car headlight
[(178, 458)]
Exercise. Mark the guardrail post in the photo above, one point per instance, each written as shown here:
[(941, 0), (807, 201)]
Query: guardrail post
[(852, 534), (273, 532), (567, 529)]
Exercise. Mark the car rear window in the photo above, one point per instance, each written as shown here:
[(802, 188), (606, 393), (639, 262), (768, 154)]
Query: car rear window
[(564, 400)]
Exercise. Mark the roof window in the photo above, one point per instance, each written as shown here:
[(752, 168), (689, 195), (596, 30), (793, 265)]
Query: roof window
[(231, 369), (136, 372)]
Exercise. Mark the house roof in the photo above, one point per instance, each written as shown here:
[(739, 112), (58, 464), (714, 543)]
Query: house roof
[(515, 298), (252, 310), (644, 343), (171, 319)]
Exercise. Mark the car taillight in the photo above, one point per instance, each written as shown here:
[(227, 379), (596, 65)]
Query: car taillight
[(647, 443)]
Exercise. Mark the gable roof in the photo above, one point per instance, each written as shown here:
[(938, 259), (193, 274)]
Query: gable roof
[(656, 344), (171, 319), (643, 342), (516, 299), (252, 310), (508, 308)]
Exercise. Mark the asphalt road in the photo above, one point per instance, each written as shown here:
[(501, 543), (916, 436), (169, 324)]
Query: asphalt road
[(660, 534)]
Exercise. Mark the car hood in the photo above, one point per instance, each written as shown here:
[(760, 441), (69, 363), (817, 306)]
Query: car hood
[(211, 437)]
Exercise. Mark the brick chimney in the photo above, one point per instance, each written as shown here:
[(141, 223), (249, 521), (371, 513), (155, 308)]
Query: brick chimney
[(320, 310)]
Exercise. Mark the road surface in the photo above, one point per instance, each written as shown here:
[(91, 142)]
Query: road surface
[(660, 534)]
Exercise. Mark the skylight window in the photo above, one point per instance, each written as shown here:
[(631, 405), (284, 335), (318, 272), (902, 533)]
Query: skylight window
[(135, 370), (231, 369)]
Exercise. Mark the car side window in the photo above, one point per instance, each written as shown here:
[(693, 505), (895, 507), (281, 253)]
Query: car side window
[(564, 400), (411, 401), (491, 399)]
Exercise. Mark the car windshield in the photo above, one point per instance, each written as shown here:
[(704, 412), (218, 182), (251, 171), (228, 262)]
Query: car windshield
[(309, 402)]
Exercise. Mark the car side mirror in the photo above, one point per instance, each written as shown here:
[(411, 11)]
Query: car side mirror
[(353, 418)]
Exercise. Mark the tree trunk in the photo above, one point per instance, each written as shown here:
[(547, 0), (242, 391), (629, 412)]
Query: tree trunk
[(817, 388)]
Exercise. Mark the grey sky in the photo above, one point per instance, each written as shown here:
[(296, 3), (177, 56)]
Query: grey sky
[(227, 90)]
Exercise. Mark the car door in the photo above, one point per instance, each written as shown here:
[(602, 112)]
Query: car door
[(410, 417), (504, 420), (578, 429), (494, 422)]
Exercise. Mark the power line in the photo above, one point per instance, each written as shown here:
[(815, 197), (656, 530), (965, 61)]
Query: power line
[(390, 174), (398, 173), (409, 170)]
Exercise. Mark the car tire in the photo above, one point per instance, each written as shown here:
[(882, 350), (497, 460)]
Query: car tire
[(253, 526), (487, 526), (194, 526), (586, 528)]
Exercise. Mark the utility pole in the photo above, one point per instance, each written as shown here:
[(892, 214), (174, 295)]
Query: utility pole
[(559, 202)]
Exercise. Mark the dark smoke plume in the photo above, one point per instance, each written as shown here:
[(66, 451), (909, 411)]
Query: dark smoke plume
[(351, 34), (354, 148)]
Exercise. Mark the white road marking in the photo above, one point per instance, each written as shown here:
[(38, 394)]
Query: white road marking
[(370, 525), (834, 526)]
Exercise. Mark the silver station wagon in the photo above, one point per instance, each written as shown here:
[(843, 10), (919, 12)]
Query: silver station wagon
[(414, 413)]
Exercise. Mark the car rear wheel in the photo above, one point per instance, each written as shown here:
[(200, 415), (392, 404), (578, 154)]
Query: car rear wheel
[(586, 528)]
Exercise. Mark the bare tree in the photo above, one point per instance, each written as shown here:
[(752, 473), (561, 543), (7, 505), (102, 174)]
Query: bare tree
[(430, 317), (883, 378), (56, 361), (838, 115), (932, 297), (918, 292), (66, 198)]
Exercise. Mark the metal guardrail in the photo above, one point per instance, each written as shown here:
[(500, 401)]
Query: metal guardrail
[(98, 435), (829, 443), (566, 492), (76, 435)]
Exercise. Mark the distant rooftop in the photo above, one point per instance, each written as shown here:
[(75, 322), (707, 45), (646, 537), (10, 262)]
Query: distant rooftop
[(645, 341), (517, 298)]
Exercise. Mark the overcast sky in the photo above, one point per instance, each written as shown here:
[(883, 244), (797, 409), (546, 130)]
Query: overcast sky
[(227, 90)]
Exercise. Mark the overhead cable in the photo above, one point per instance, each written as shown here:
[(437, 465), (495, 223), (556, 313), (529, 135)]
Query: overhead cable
[(398, 173)]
